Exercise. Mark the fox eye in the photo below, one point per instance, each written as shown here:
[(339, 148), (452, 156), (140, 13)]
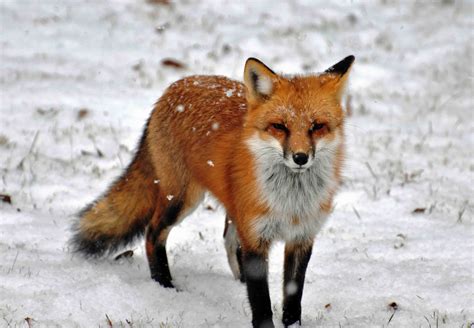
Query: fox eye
[(316, 127), (279, 126)]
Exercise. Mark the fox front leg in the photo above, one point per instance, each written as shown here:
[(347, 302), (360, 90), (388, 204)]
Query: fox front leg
[(297, 256), (255, 269)]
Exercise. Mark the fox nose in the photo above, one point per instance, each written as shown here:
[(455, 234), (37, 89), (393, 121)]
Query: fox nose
[(300, 158)]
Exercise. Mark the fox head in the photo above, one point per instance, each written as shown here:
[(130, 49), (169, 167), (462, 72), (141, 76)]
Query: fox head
[(293, 120)]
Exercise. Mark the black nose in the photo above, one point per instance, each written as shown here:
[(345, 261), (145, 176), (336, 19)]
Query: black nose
[(300, 158)]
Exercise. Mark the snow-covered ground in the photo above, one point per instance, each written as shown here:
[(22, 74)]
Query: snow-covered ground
[(78, 80)]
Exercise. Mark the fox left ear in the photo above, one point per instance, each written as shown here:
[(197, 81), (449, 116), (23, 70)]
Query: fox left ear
[(337, 74), (259, 80)]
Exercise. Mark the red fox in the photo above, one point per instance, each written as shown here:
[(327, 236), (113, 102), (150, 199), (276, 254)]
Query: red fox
[(269, 149)]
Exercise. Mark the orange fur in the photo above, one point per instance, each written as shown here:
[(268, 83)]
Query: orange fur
[(195, 141), (183, 144)]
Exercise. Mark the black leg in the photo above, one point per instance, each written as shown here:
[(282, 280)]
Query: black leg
[(255, 269), (159, 267), (297, 256), (156, 236)]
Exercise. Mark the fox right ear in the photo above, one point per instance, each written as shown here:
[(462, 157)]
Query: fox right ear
[(259, 79)]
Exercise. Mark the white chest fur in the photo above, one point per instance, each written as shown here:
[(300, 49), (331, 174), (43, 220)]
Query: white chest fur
[(294, 199)]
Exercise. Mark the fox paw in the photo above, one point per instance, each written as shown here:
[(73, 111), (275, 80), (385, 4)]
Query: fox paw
[(267, 323), (166, 283), (290, 316)]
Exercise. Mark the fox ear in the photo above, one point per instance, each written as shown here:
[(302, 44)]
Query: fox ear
[(259, 79), (336, 75)]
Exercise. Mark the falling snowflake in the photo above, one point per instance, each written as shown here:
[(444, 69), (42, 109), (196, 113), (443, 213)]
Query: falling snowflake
[(169, 197), (210, 163), (291, 288), (180, 108)]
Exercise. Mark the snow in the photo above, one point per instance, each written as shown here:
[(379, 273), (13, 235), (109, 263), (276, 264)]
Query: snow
[(215, 126), (77, 83)]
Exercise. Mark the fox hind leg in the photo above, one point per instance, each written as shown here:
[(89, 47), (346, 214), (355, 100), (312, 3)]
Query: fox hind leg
[(168, 213), (233, 249), (156, 236)]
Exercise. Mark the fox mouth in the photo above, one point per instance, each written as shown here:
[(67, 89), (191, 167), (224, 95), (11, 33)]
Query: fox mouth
[(298, 169)]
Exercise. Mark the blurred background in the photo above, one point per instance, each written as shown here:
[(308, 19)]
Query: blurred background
[(78, 80)]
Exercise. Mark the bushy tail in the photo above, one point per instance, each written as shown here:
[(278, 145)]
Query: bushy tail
[(122, 213)]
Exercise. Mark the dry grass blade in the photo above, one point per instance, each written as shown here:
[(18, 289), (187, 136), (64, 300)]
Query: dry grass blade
[(356, 212), (371, 171), (390, 319), (429, 324), (109, 322), (33, 143)]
